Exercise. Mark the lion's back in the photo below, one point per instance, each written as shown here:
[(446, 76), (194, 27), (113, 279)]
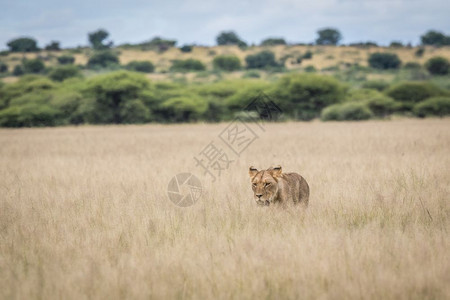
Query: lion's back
[(297, 189)]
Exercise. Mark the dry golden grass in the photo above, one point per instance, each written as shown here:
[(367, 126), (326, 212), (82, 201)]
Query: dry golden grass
[(84, 214)]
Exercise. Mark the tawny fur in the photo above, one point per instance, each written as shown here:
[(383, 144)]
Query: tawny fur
[(272, 186)]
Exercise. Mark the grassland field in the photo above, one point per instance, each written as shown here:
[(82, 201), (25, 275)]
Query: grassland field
[(84, 214)]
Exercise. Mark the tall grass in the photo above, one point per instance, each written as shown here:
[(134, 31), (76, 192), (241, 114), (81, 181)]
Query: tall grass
[(84, 214)]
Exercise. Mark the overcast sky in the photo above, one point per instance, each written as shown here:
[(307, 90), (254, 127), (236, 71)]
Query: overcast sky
[(199, 22)]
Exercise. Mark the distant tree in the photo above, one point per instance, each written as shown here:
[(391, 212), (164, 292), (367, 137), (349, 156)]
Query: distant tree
[(396, 44), (328, 36), (63, 72), (24, 44), (364, 44), (308, 55), (186, 48), (435, 38), (419, 52), (97, 39), (261, 60), (53, 46), (140, 66), (227, 62), (160, 44), (438, 65), (3, 67), (117, 98), (33, 65), (273, 41), (103, 59), (18, 70), (187, 65), (384, 61), (66, 59), (230, 38)]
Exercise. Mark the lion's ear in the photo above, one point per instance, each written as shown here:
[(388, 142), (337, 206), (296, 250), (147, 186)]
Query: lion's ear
[(276, 171), (252, 171)]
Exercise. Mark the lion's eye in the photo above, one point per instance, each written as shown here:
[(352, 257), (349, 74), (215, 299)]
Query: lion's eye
[(267, 184), (254, 184)]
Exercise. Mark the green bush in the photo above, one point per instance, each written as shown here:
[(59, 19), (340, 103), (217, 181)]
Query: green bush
[(64, 72), (141, 66), (66, 59), (412, 66), (68, 102), (435, 106), (438, 65), (419, 52), (362, 94), (261, 60), (251, 74), (227, 62), (308, 55), (187, 65), (273, 42), (303, 96), (33, 66), (103, 59), (245, 94), (384, 61), (110, 94), (310, 69), (229, 38), (396, 44), (378, 85), (382, 106), (3, 68), (186, 49), (412, 92), (28, 115), (134, 111), (354, 111), (157, 44), (435, 38), (53, 46), (185, 108)]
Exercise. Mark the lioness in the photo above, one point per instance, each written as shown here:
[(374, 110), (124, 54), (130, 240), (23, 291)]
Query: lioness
[(271, 186)]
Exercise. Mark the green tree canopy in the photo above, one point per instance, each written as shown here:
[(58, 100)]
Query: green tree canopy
[(435, 38), (438, 65), (24, 44), (103, 59), (97, 39), (303, 96), (33, 65), (261, 60), (53, 46), (273, 41), (384, 61), (227, 62), (111, 95), (328, 36), (230, 38)]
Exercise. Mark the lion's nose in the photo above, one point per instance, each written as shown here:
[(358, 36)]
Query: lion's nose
[(259, 196)]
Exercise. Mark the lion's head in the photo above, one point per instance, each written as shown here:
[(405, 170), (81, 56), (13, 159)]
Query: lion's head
[(265, 184)]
